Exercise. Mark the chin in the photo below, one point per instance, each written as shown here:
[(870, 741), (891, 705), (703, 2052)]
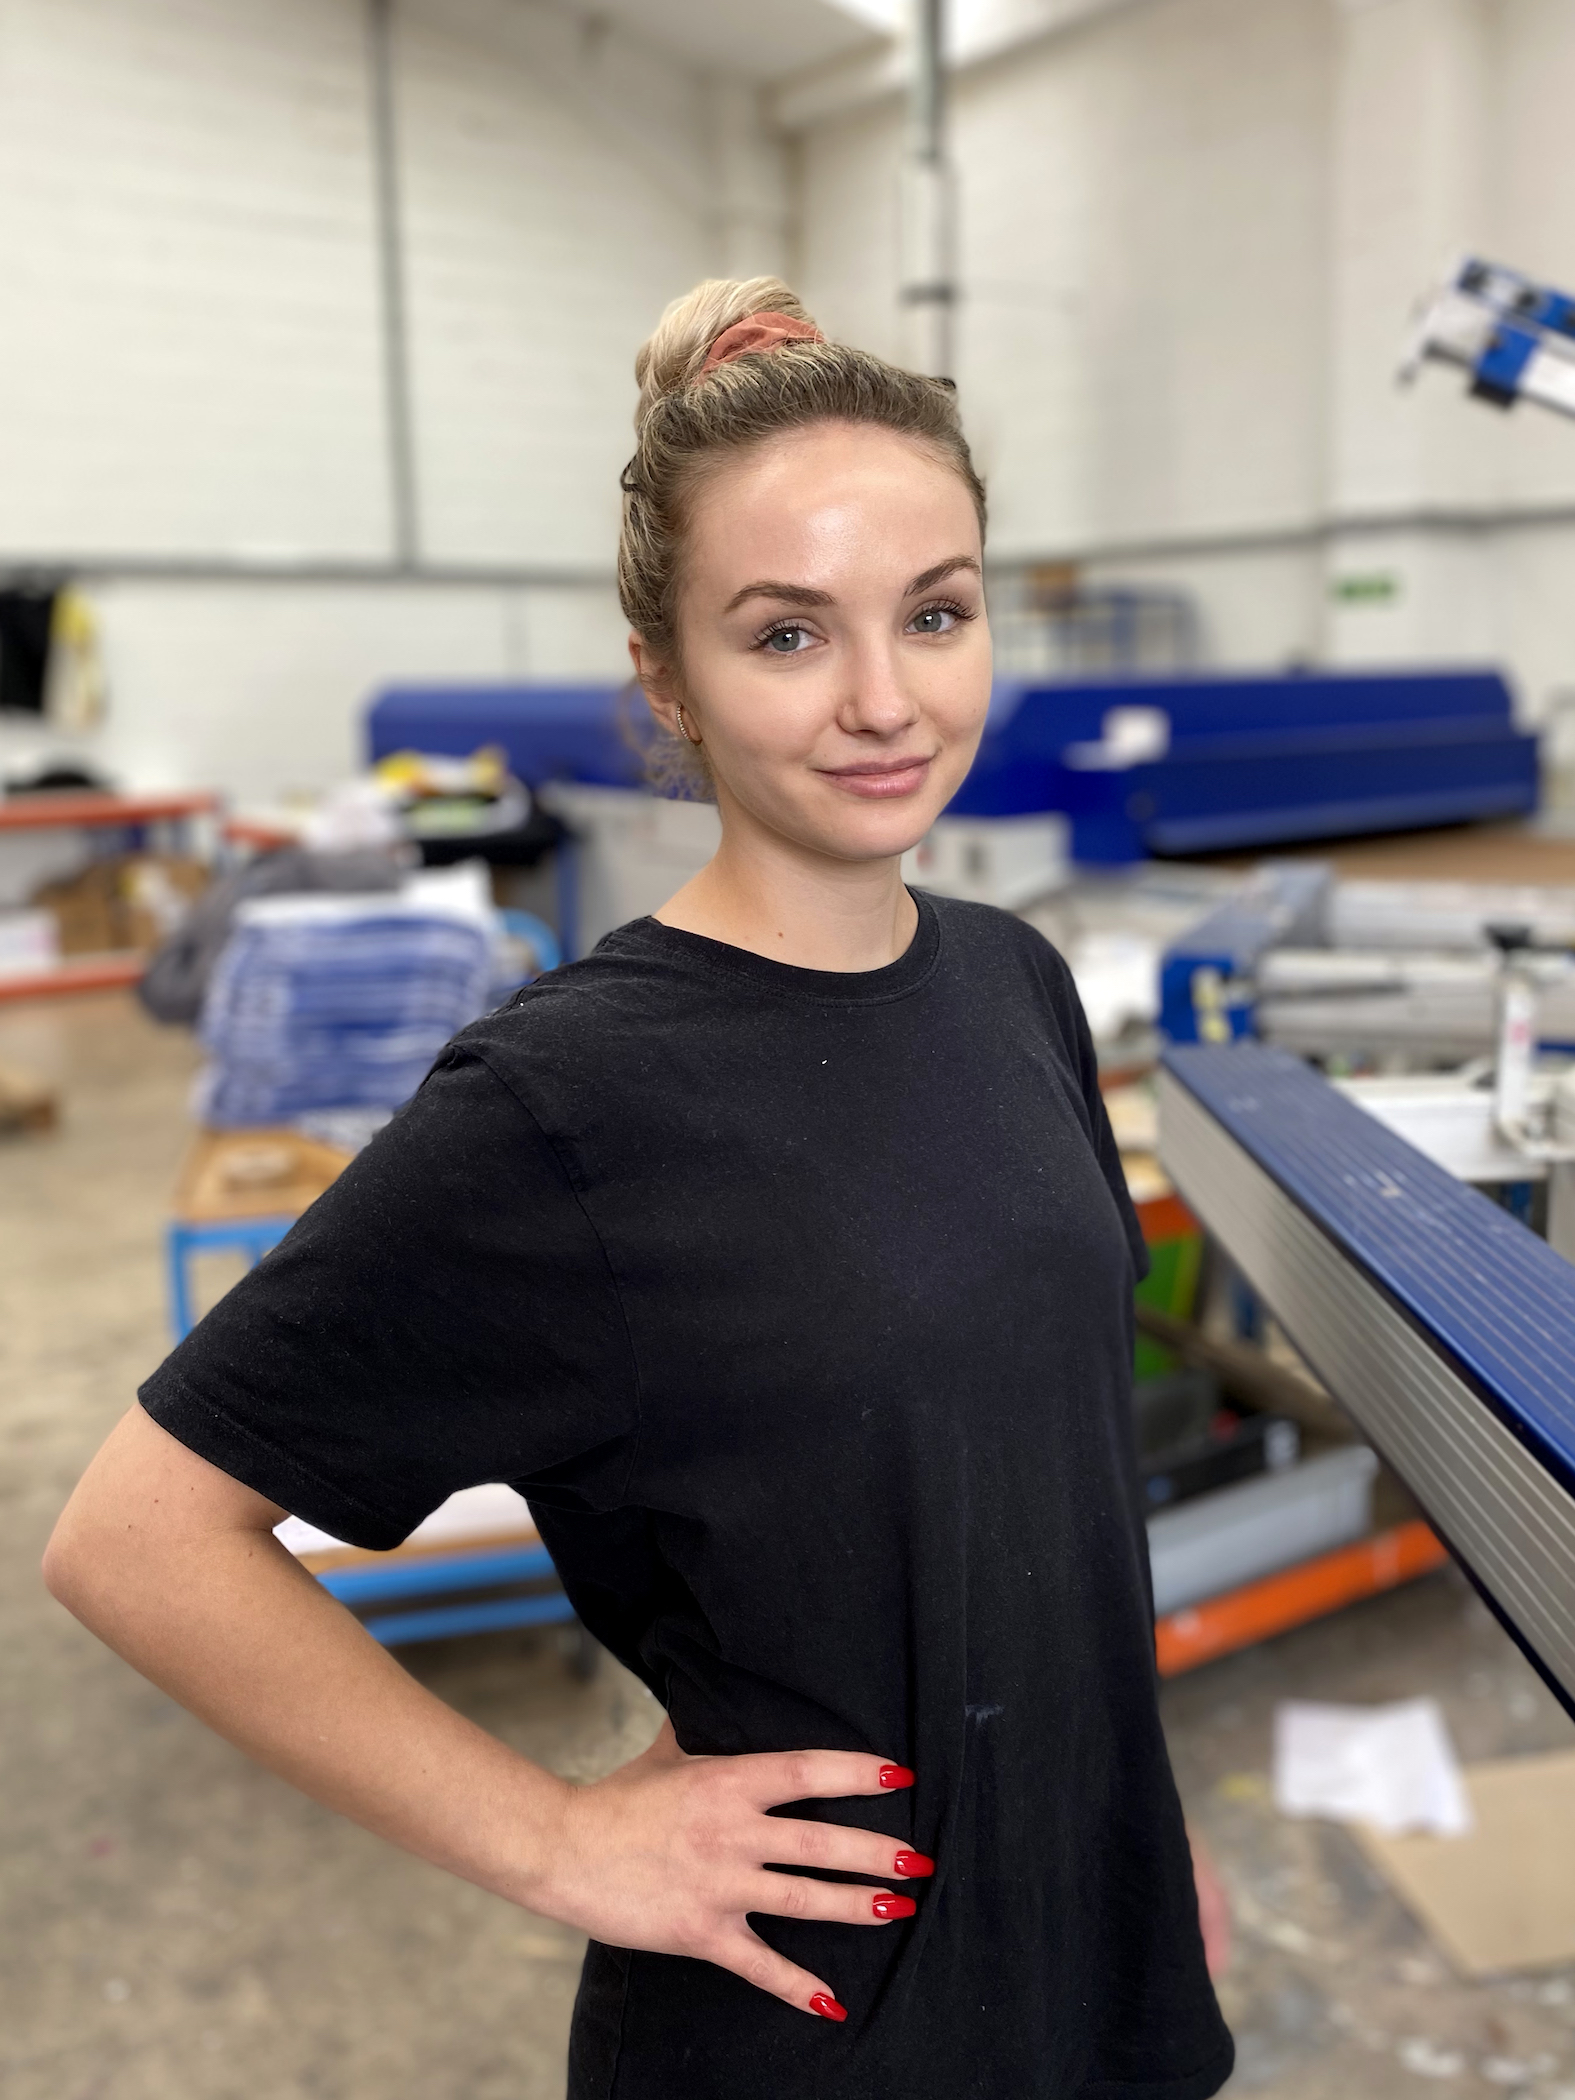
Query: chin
[(884, 834)]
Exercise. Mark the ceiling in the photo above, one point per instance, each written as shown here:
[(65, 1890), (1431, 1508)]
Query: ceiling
[(759, 40)]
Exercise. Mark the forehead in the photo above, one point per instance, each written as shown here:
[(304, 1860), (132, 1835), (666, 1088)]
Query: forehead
[(834, 500)]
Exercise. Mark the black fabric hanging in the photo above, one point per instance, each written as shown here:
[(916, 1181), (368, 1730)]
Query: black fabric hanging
[(26, 617)]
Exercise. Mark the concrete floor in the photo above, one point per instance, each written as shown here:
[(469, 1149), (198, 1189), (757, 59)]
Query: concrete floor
[(176, 1925)]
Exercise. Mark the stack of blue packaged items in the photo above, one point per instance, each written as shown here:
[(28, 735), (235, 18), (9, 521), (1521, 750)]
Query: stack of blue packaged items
[(321, 1003)]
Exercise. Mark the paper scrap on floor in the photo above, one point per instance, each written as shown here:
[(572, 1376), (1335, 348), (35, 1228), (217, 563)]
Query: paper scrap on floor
[(1503, 1898), (1392, 1768)]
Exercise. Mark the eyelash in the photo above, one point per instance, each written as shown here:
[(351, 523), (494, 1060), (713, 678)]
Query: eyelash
[(950, 605), (790, 626)]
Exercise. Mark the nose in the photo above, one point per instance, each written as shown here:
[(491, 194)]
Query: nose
[(875, 701)]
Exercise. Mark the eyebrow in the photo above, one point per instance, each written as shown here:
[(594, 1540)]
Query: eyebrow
[(941, 569), (804, 594), (784, 593)]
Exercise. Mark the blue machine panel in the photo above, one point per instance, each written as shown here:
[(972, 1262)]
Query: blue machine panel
[(1255, 761), (1446, 1327), (1485, 1288)]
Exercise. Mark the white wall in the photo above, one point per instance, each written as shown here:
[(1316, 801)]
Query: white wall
[(188, 359), (1192, 233), (557, 197), (192, 357)]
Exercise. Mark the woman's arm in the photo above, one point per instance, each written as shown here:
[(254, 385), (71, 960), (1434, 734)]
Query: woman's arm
[(174, 1565)]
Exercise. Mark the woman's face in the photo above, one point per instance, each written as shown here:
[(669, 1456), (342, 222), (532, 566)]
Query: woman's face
[(836, 657)]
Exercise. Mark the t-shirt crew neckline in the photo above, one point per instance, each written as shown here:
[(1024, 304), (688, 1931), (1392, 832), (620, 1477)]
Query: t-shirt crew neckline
[(894, 980)]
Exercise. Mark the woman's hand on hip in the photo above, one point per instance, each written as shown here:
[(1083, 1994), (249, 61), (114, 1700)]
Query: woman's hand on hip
[(670, 1852)]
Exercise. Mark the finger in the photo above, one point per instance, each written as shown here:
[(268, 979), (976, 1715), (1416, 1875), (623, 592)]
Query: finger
[(816, 1775), (747, 1955), (795, 1844), (827, 1902)]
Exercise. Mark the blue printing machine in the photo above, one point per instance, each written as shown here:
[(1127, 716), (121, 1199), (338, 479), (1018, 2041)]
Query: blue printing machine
[(1443, 1326), (1257, 760), (1249, 760)]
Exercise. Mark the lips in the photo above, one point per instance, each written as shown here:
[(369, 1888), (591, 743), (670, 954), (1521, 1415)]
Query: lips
[(880, 780)]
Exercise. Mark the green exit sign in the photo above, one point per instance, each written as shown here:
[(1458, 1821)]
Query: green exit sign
[(1366, 587)]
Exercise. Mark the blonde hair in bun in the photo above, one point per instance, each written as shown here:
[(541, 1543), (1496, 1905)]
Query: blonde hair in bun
[(688, 421), (673, 353)]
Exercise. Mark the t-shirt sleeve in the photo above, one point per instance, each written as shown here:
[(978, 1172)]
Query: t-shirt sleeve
[(444, 1315)]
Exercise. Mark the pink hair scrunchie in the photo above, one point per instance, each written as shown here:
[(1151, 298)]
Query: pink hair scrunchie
[(760, 332)]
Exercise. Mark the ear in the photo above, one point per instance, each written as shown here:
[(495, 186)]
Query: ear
[(655, 680)]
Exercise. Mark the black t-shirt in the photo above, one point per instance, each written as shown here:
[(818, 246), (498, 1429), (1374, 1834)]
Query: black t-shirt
[(799, 1305)]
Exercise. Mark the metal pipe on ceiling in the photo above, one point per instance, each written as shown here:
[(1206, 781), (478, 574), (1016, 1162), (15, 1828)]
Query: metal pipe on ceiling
[(928, 290), (398, 405)]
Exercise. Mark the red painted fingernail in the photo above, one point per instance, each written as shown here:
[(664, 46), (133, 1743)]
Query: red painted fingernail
[(912, 1864), (895, 1775), (827, 2006), (894, 1906)]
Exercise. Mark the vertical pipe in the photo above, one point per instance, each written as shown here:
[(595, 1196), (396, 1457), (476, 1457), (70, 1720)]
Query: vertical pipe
[(929, 290), (400, 422)]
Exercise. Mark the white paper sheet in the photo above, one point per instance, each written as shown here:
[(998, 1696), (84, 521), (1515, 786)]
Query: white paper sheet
[(1392, 1767)]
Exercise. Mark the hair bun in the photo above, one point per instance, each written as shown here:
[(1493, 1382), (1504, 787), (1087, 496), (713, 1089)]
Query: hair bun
[(671, 358)]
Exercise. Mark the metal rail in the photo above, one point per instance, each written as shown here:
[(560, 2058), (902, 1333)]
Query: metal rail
[(1445, 1328)]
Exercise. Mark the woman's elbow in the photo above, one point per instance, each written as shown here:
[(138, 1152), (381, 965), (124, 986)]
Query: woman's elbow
[(70, 1562)]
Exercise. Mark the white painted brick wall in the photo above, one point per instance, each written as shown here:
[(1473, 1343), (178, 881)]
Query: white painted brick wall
[(558, 195), (1192, 232), (1144, 273), (191, 366), (1413, 151), (263, 687), (1142, 339), (1533, 207), (188, 357), (260, 688)]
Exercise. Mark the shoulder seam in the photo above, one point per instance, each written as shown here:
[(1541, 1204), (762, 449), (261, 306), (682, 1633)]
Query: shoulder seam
[(601, 1247)]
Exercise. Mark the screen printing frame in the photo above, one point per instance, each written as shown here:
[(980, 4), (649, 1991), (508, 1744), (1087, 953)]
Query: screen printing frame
[(1444, 1328)]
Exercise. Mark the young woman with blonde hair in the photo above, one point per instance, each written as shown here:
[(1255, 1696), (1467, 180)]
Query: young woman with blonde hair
[(779, 1253)]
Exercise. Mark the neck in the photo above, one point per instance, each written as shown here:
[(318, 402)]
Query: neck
[(775, 898)]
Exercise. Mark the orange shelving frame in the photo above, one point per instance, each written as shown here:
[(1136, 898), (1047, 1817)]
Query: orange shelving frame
[(1311, 1590), (71, 809), (78, 973)]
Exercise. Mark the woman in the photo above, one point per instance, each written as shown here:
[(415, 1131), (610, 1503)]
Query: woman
[(780, 1253)]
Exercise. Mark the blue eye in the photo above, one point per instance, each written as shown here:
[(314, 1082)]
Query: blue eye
[(785, 641), (935, 619)]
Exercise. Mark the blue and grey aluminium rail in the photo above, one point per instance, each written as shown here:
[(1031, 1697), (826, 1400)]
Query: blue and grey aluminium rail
[(1444, 1327)]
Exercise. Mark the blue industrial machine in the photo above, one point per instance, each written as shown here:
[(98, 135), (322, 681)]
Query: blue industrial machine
[(1189, 764), (550, 732), (1443, 1326), (1208, 764)]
